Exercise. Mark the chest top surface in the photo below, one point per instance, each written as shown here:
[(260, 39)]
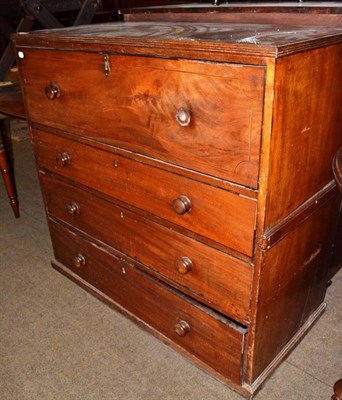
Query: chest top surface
[(270, 40)]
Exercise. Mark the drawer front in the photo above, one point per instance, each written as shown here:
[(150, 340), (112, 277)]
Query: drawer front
[(221, 281), (207, 336), (214, 213), (144, 104)]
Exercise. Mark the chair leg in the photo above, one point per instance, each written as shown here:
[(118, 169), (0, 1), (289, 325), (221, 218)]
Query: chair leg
[(7, 176), (338, 390)]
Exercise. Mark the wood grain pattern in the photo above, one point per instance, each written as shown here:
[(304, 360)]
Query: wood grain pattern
[(293, 283), (111, 153), (224, 103), (211, 338), (310, 122), (272, 236), (267, 35), (237, 43), (153, 190), (217, 279), (154, 162), (236, 17)]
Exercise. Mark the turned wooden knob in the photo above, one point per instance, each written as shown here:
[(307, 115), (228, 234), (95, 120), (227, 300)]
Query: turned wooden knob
[(52, 91), (79, 260), (338, 390), (183, 116), (63, 159), (181, 205), (182, 328), (73, 209), (184, 265)]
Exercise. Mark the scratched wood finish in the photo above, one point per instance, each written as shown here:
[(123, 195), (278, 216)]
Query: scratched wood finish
[(127, 182), (293, 289), (224, 102), (240, 43), (311, 114), (211, 337), (215, 278), (268, 34), (294, 201)]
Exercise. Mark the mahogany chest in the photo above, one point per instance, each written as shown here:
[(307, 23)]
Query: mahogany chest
[(186, 174)]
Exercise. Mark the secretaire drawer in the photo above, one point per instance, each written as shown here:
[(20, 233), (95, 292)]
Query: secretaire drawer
[(205, 335), (213, 213), (213, 277), (202, 116)]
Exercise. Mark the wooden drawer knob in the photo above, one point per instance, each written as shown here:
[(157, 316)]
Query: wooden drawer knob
[(52, 91), (79, 260), (63, 159), (181, 205), (183, 116), (73, 209), (184, 265), (182, 328)]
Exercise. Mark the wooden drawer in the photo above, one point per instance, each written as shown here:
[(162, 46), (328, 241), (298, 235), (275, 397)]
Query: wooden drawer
[(213, 277), (211, 338), (135, 107), (215, 213)]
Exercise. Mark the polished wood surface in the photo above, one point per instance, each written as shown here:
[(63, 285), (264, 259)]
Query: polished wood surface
[(125, 179), (221, 281), (313, 113), (242, 43), (145, 171), (211, 338), (143, 114), (301, 280)]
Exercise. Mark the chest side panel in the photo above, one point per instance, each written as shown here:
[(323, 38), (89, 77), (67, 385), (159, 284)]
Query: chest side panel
[(307, 128), (140, 104), (293, 284)]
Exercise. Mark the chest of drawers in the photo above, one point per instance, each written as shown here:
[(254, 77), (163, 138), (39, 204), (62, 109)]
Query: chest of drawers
[(186, 175)]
